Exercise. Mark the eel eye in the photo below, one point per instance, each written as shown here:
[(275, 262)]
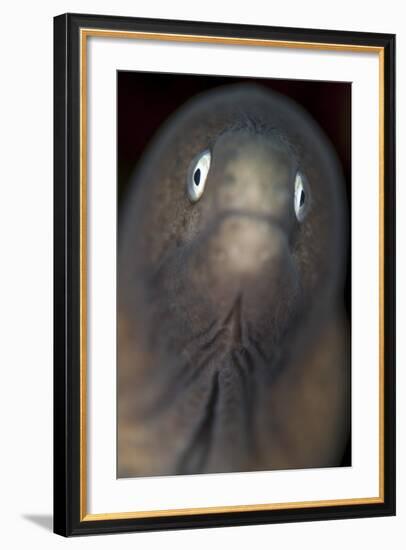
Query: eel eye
[(197, 175), (301, 197)]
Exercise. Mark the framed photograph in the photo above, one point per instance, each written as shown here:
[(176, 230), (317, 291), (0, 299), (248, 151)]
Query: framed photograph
[(224, 252)]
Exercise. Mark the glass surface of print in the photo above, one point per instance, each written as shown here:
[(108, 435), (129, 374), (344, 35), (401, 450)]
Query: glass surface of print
[(233, 282)]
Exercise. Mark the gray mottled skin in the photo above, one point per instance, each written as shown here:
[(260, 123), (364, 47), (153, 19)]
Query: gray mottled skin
[(232, 347)]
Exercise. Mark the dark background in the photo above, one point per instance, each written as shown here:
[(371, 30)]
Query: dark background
[(145, 100)]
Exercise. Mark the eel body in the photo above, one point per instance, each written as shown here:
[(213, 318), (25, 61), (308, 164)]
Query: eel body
[(232, 340)]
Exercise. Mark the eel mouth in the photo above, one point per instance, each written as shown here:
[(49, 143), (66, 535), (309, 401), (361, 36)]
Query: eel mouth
[(227, 344), (221, 370), (233, 377)]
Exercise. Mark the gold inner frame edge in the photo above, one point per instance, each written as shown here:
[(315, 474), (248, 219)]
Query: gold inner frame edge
[(173, 37)]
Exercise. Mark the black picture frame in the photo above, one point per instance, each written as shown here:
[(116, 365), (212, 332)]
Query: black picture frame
[(68, 517)]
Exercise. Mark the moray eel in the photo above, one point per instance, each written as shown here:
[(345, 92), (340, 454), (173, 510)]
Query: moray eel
[(232, 338)]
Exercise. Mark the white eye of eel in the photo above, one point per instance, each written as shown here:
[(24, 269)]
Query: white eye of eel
[(197, 175), (301, 199)]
